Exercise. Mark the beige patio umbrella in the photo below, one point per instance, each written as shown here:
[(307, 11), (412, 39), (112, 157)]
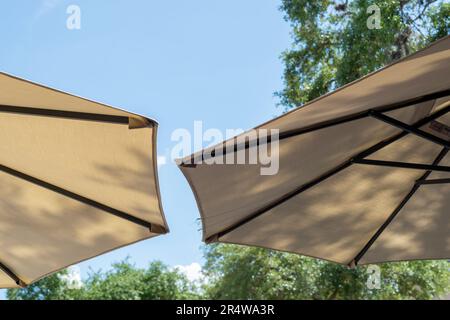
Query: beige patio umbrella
[(77, 179), (363, 176)]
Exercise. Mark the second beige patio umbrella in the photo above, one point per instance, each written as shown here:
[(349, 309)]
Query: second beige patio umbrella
[(364, 173), (77, 179)]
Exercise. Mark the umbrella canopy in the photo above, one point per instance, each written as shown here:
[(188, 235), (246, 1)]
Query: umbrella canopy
[(77, 179), (363, 172)]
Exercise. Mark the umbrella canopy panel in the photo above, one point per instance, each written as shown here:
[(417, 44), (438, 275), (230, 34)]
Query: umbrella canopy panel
[(342, 171), (77, 179)]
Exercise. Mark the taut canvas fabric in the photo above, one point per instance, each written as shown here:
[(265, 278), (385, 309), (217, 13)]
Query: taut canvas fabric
[(363, 173), (77, 179)]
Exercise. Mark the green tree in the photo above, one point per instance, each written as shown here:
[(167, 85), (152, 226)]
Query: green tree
[(252, 273), (332, 44), (123, 282)]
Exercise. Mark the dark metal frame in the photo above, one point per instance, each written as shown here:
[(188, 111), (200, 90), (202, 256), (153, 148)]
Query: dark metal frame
[(361, 159), (121, 120), (65, 114), (12, 275)]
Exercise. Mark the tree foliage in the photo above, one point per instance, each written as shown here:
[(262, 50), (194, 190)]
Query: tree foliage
[(253, 273), (123, 282), (332, 44)]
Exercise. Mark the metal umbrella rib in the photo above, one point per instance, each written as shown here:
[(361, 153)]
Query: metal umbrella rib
[(65, 114), (404, 165), (12, 275), (433, 181), (152, 227)]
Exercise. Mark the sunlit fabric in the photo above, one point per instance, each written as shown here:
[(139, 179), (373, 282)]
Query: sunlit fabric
[(77, 179)]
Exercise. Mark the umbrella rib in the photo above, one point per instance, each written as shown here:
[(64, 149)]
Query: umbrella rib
[(323, 125), (406, 127), (65, 114), (154, 228), (404, 165), (12, 275), (402, 204), (433, 181)]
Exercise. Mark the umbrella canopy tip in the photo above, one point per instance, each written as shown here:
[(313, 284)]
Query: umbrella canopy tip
[(138, 123), (154, 228), (353, 264), (212, 239), (21, 284)]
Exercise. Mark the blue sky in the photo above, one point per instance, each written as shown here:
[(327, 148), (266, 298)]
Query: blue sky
[(176, 61)]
